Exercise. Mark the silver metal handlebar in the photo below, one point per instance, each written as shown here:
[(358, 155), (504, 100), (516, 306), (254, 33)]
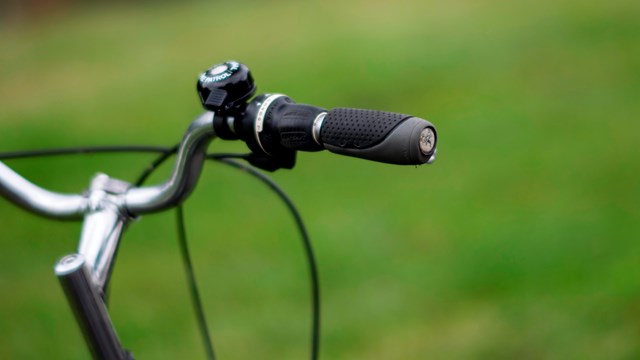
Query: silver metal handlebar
[(187, 168), (136, 201), (38, 200)]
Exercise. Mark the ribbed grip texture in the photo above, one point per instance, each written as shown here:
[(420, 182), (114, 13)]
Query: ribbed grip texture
[(357, 128)]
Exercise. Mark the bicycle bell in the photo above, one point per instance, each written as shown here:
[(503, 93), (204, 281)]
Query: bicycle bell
[(223, 87)]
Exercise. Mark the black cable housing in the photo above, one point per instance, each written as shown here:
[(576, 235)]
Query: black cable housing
[(308, 248), (83, 150)]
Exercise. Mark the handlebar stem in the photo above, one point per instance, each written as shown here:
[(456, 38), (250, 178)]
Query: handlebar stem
[(103, 227)]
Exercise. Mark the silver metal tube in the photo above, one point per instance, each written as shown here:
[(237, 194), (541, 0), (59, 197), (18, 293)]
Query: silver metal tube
[(38, 200), (190, 159), (189, 162)]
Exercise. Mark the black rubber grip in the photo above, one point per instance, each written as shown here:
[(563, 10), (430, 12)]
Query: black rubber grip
[(376, 135), (356, 128)]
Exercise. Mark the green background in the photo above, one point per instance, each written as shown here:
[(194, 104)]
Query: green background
[(521, 241)]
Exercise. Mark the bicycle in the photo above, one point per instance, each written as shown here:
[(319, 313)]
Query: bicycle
[(272, 125)]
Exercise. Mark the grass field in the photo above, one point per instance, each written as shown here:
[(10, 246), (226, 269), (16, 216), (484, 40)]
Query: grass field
[(521, 241)]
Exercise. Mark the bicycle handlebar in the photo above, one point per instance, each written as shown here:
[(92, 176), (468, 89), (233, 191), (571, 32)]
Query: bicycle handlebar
[(273, 126), (38, 200), (189, 161), (135, 201)]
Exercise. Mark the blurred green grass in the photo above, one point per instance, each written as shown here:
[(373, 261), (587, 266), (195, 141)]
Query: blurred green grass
[(520, 242)]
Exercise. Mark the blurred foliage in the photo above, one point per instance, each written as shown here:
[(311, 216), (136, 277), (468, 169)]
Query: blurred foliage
[(520, 242)]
